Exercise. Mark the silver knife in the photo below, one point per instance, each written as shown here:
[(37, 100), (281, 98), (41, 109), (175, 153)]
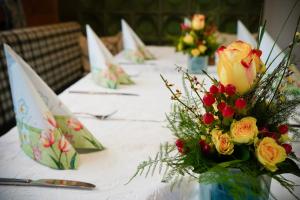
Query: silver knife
[(47, 183), (103, 93)]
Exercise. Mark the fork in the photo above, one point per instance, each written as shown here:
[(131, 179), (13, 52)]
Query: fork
[(100, 117)]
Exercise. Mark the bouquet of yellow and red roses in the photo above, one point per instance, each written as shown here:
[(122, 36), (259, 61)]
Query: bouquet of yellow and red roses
[(239, 122), (197, 38)]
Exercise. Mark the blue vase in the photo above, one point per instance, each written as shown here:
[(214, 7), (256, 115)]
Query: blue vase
[(221, 191), (197, 64)]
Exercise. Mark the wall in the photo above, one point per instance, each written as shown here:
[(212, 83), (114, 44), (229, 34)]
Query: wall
[(275, 12), (156, 21)]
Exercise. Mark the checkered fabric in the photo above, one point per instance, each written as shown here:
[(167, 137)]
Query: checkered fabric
[(53, 51)]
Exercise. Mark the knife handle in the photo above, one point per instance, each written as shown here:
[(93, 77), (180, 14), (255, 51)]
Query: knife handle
[(14, 180)]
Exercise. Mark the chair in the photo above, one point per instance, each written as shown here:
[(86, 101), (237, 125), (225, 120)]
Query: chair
[(54, 53)]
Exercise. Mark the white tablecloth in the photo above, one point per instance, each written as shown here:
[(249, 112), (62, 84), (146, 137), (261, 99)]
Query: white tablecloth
[(127, 142)]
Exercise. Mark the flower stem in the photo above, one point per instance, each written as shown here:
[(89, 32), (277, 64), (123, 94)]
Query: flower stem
[(189, 108)]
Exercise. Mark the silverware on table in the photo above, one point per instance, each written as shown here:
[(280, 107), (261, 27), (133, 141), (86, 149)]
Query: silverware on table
[(101, 117), (107, 117), (132, 63), (47, 183), (103, 93)]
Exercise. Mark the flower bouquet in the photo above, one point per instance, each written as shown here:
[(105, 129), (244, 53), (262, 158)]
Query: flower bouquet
[(233, 133), (199, 41)]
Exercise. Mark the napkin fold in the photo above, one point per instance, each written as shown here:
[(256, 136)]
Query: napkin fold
[(105, 71), (244, 34), (266, 46), (135, 49), (49, 133)]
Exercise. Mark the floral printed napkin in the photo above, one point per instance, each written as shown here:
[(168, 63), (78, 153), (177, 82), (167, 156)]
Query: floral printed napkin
[(135, 49), (48, 131), (105, 71)]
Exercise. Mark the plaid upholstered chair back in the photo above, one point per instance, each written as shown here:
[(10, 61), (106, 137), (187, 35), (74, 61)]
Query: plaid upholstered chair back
[(52, 51)]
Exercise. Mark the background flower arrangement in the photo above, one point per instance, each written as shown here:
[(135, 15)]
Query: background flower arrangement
[(197, 37), (239, 122)]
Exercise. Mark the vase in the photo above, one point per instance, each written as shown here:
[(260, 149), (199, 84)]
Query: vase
[(197, 64), (221, 191)]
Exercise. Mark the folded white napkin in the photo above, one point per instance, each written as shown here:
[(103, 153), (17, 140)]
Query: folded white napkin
[(266, 46), (105, 70), (244, 34), (133, 45), (49, 132)]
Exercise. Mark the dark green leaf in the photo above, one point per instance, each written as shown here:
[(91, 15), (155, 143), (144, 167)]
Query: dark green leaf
[(242, 152), (73, 160), (288, 166), (58, 164)]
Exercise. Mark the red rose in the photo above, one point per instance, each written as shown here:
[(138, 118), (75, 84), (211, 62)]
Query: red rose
[(240, 103), (263, 129), (288, 148), (221, 88), (271, 135), (208, 118), (179, 143), (204, 146), (228, 111), (230, 89), (221, 106), (214, 89), (283, 129), (208, 99)]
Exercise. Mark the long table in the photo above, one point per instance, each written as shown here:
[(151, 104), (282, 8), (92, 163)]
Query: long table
[(130, 136)]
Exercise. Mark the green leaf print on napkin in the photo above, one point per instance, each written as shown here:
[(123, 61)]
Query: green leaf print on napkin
[(77, 134)]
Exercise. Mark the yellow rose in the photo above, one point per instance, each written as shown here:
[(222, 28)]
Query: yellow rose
[(188, 39), (269, 153), (244, 131), (238, 65), (195, 52), (202, 48), (222, 142), (198, 22)]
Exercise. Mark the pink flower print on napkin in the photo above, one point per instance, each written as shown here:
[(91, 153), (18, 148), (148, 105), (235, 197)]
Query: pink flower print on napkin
[(36, 153), (47, 138), (50, 119), (74, 124), (108, 75), (63, 145)]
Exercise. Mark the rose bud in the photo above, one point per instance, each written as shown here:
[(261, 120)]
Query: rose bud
[(228, 111), (208, 99), (208, 118), (240, 103), (205, 148), (179, 143), (221, 106), (263, 129), (288, 148), (221, 88), (283, 129), (272, 135), (230, 89), (213, 89)]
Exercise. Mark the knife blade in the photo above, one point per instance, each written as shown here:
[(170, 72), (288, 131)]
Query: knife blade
[(47, 183), (103, 93)]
